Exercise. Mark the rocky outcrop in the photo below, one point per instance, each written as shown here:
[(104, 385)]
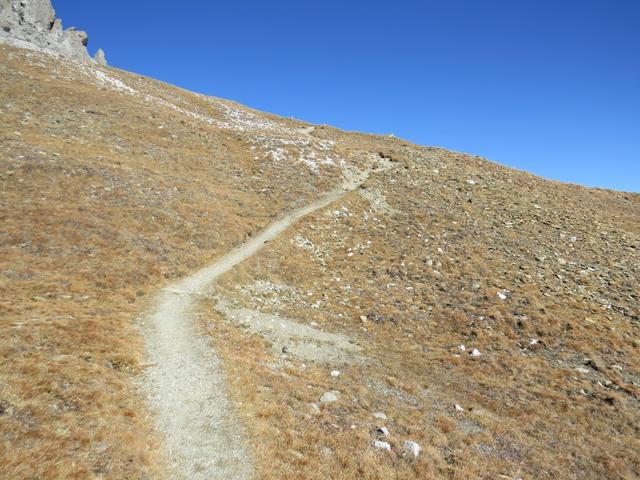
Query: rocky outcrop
[(32, 24), (100, 57)]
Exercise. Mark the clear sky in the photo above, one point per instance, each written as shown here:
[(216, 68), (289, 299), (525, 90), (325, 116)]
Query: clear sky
[(552, 87)]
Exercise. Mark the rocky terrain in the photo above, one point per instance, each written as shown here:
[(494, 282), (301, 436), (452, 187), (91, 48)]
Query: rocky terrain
[(33, 24), (396, 311)]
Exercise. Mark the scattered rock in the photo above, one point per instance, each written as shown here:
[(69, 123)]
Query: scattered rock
[(295, 454), (412, 447), (475, 353), (458, 408), (380, 415), (594, 364), (326, 451), (381, 445), (462, 348), (501, 296), (382, 431), (335, 373), (330, 397), (582, 370)]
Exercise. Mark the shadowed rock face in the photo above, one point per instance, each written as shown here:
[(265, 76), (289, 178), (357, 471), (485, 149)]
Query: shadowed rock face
[(32, 24)]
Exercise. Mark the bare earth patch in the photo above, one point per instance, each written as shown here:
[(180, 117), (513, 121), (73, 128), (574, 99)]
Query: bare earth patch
[(289, 336)]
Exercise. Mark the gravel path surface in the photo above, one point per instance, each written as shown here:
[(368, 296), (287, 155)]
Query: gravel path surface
[(184, 384)]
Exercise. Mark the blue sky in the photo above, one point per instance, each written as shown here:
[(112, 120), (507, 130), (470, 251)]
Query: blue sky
[(552, 87)]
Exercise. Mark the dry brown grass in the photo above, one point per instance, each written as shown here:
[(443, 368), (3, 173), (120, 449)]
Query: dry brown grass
[(99, 208), (106, 196), (528, 412)]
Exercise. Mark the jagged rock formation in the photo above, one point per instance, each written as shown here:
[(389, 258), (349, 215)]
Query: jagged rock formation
[(33, 24)]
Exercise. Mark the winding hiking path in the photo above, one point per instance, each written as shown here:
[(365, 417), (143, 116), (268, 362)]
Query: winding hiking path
[(184, 383)]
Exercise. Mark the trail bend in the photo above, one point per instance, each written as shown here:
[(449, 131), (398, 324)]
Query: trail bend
[(183, 382)]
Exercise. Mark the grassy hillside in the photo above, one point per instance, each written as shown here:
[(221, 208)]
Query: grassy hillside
[(448, 250), (113, 184), (107, 192)]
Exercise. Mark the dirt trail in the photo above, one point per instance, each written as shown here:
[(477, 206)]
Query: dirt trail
[(183, 383)]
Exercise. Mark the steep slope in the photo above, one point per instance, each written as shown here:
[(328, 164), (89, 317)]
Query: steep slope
[(114, 185)]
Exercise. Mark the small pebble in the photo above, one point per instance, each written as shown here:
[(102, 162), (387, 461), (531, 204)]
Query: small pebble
[(381, 445), (329, 397)]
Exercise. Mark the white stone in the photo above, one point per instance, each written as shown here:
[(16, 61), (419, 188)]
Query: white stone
[(458, 408), (412, 447), (475, 352), (462, 348), (381, 445), (501, 296), (329, 397), (380, 415), (335, 373)]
